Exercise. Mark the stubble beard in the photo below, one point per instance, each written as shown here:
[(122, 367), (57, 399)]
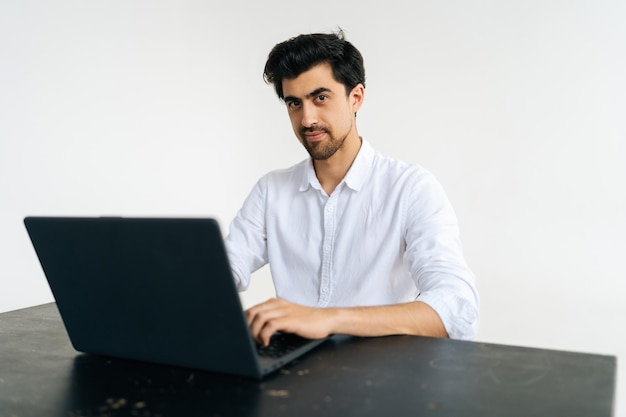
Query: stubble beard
[(322, 150)]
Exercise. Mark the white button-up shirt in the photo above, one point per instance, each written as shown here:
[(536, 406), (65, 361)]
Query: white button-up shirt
[(386, 235)]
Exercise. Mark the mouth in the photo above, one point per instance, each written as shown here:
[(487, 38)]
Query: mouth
[(314, 136)]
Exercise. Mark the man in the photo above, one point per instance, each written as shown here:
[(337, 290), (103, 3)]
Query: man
[(357, 243)]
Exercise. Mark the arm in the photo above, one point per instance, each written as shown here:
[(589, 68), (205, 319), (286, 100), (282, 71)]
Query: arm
[(246, 241), (415, 318), (434, 257)]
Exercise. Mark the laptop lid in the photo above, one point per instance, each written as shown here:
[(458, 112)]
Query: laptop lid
[(150, 289)]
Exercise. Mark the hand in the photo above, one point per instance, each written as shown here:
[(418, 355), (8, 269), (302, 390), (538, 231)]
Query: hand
[(276, 314)]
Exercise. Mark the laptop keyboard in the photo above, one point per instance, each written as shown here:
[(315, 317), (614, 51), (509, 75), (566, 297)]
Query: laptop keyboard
[(281, 344)]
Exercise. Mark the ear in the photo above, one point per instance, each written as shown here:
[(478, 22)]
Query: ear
[(357, 95)]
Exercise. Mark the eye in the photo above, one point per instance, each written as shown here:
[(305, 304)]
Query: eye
[(293, 104), (322, 97)]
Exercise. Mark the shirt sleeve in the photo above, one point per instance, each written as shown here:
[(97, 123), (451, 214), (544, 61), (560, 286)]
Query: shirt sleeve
[(435, 258), (246, 243)]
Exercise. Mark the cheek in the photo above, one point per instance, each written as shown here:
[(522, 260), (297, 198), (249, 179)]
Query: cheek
[(295, 125), (295, 121), (343, 119)]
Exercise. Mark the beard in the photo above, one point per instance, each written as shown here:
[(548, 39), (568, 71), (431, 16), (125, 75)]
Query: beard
[(322, 150)]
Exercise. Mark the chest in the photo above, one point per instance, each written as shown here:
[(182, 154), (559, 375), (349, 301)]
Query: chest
[(347, 220)]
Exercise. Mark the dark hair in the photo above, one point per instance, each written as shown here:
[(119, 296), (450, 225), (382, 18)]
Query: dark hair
[(297, 55)]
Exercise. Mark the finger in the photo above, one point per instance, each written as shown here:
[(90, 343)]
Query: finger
[(263, 322), (254, 311), (272, 326), (267, 331)]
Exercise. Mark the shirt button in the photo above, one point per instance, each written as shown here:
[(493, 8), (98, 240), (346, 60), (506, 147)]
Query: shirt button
[(324, 290)]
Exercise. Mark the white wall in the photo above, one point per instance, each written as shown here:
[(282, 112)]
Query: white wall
[(159, 108)]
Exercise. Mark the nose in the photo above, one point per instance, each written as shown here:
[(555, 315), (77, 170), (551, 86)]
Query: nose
[(309, 115)]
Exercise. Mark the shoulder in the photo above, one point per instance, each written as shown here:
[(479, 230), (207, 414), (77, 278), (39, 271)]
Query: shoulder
[(396, 170), (284, 177), (410, 183)]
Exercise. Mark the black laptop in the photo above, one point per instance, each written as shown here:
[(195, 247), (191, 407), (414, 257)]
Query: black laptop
[(153, 289)]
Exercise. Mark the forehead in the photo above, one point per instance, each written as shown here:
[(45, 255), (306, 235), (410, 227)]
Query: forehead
[(319, 76)]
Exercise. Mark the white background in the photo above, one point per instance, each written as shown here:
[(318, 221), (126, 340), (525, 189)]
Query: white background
[(158, 107)]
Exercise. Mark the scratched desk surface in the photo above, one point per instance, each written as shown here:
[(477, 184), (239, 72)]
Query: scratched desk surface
[(41, 375)]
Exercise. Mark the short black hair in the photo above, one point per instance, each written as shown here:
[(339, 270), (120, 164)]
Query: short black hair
[(299, 54)]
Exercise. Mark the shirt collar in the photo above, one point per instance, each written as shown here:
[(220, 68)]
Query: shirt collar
[(361, 167), (355, 177), (308, 176)]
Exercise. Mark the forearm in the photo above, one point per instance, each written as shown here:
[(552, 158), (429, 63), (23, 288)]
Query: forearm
[(414, 318)]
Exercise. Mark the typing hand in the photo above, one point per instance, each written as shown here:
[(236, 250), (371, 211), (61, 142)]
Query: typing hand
[(276, 314)]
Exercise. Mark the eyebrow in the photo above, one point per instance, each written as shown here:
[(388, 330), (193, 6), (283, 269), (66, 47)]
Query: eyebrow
[(313, 93)]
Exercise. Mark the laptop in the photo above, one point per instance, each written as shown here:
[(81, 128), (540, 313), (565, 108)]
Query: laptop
[(156, 290)]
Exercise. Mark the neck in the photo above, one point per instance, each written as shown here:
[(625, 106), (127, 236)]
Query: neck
[(331, 172)]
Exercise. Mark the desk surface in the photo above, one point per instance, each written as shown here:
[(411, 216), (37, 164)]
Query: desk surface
[(41, 375)]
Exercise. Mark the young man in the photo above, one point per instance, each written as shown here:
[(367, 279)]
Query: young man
[(357, 243)]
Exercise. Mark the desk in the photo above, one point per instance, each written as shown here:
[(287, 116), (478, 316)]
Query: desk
[(41, 375)]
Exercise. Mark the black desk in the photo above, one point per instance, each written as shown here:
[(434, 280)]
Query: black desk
[(41, 375)]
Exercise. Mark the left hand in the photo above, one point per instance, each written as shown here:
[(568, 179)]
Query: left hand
[(276, 314)]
